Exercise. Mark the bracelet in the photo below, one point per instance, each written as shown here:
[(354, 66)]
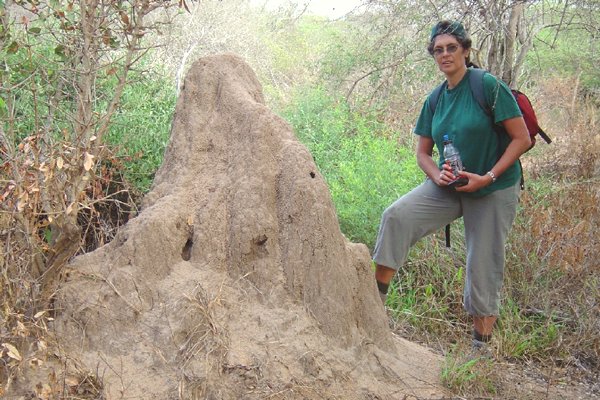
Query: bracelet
[(492, 175)]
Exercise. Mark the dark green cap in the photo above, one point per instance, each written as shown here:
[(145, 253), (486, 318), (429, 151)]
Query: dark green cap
[(450, 28)]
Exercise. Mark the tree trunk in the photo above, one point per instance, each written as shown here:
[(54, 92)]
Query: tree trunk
[(510, 43), (63, 247)]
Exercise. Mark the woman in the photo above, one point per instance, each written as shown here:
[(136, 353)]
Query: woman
[(487, 203)]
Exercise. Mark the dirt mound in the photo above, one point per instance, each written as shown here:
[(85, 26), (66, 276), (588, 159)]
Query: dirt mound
[(235, 280)]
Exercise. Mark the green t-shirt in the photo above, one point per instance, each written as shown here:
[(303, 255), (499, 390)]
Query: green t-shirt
[(460, 116)]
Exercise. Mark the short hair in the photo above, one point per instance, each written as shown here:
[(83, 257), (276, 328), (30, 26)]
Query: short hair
[(453, 28)]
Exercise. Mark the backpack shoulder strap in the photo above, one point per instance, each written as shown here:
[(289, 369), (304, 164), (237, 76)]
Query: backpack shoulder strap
[(476, 84), (434, 96)]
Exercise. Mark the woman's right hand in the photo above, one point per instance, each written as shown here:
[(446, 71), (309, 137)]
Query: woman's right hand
[(446, 176)]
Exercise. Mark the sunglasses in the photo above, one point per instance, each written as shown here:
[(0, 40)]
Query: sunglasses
[(450, 49)]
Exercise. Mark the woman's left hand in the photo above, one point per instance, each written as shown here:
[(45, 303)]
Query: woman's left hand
[(475, 183)]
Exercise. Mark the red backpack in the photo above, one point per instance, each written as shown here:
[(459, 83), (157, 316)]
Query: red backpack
[(529, 116)]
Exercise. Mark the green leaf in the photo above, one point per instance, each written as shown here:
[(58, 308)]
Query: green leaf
[(114, 43), (33, 30), (60, 50), (12, 48), (47, 235)]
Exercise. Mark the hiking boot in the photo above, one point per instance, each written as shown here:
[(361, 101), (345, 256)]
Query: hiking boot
[(481, 350), (383, 297)]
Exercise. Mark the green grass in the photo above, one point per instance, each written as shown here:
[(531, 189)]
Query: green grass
[(528, 334), (468, 376)]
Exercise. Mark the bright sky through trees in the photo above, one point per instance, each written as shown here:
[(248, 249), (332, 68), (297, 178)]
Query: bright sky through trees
[(328, 8)]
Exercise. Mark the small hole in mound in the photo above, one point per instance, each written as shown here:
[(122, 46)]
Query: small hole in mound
[(312, 175), (186, 253), (261, 240)]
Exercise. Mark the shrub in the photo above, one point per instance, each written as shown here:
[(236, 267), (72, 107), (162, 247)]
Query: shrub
[(141, 127), (360, 159)]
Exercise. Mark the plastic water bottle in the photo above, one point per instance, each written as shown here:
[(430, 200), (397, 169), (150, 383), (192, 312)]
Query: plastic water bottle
[(452, 157)]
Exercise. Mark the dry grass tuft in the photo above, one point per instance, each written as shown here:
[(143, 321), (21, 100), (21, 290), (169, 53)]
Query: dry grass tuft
[(202, 342)]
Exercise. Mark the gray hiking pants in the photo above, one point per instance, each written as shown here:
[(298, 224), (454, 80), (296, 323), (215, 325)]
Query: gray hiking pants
[(487, 221)]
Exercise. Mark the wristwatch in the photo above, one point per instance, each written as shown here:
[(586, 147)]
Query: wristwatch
[(492, 175)]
